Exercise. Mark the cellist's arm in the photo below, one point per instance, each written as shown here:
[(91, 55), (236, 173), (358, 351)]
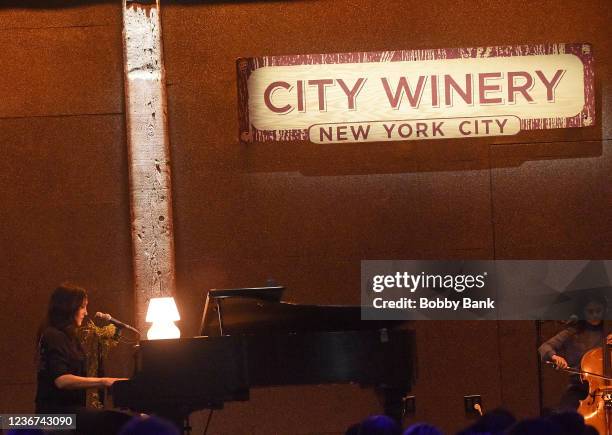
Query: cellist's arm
[(559, 361), (554, 345)]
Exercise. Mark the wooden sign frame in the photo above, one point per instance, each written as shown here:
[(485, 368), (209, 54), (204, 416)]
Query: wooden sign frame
[(246, 67)]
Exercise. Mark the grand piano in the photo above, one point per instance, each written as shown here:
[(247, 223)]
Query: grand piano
[(251, 339)]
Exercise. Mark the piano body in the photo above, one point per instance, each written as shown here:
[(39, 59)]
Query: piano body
[(254, 340)]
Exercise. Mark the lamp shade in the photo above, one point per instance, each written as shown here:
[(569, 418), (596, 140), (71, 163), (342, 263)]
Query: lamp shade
[(162, 310)]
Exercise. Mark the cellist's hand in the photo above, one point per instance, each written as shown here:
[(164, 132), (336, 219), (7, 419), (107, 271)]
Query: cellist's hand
[(609, 339), (559, 361)]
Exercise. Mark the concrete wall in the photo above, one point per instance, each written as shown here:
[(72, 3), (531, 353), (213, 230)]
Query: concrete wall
[(302, 214), (63, 175)]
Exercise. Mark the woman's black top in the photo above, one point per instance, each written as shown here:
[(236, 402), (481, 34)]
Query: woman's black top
[(59, 354)]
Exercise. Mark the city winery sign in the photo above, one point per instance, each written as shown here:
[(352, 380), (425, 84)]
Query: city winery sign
[(415, 94)]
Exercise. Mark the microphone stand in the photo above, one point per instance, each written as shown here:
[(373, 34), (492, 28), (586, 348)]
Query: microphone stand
[(538, 327), (101, 369), (101, 372)]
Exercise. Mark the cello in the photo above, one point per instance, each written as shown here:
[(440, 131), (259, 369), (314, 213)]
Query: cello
[(595, 369)]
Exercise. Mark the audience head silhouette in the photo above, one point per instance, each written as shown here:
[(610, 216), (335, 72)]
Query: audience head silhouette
[(148, 425)]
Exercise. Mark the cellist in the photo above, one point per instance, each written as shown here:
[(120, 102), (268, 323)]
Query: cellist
[(567, 348)]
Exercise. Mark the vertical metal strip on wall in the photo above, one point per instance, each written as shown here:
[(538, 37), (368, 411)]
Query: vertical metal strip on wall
[(149, 155)]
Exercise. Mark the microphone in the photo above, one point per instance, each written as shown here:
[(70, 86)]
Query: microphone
[(116, 322)]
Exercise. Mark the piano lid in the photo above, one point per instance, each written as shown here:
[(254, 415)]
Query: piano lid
[(257, 310)]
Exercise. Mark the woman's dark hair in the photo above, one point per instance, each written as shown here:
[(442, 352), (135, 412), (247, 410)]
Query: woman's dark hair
[(595, 298), (65, 302)]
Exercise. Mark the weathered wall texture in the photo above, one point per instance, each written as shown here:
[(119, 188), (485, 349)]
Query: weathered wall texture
[(63, 177), (149, 158), (302, 214), (306, 215)]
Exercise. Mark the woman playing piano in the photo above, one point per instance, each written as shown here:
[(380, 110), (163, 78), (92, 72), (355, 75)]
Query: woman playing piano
[(62, 362)]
